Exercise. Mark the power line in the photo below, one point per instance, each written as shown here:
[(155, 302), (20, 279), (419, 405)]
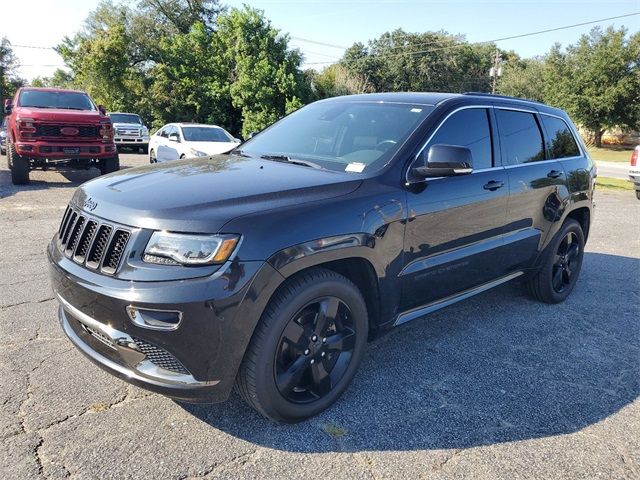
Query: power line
[(458, 45), (315, 42), (32, 46)]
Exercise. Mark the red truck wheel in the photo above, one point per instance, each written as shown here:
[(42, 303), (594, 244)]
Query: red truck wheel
[(108, 165), (19, 166)]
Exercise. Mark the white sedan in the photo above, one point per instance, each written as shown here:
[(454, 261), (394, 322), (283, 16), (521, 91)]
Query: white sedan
[(187, 140)]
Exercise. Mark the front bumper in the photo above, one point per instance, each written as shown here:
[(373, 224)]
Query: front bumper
[(634, 176), (219, 315), (71, 150), (131, 141)]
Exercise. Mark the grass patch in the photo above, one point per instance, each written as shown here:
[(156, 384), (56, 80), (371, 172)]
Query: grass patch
[(614, 183), (334, 430), (611, 154)]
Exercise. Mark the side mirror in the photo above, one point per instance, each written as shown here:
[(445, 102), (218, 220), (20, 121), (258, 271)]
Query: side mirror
[(174, 138), (102, 110), (252, 134), (237, 140), (8, 106), (445, 161)]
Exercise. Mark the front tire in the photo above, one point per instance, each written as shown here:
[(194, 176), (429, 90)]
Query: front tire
[(109, 165), (19, 166), (561, 265), (152, 156), (306, 347)]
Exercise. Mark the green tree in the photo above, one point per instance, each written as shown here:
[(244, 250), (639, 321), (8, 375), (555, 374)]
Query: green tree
[(597, 80), (9, 80), (522, 78)]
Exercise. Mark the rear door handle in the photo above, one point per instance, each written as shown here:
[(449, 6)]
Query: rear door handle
[(493, 185), (554, 174)]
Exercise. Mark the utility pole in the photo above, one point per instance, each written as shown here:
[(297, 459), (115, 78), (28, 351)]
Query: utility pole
[(495, 71)]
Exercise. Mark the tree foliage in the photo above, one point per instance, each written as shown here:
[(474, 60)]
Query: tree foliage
[(187, 60), (9, 80)]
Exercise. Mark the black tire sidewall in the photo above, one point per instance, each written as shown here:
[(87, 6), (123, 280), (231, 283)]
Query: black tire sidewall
[(18, 165), (269, 397), (547, 269)]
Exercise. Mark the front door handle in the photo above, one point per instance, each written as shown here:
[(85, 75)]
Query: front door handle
[(554, 174), (493, 185)]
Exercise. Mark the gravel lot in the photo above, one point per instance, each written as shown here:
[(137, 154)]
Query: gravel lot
[(495, 387)]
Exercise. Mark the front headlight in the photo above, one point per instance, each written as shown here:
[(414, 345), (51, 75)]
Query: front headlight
[(145, 132), (169, 248), (197, 153)]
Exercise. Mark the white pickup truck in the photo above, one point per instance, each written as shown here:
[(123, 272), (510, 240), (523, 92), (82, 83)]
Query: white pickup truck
[(634, 170), (129, 131)]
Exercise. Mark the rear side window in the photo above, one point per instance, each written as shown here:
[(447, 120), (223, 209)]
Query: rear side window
[(468, 128), (560, 141), (520, 134)]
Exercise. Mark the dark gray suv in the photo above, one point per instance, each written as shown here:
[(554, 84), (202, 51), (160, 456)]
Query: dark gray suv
[(269, 268)]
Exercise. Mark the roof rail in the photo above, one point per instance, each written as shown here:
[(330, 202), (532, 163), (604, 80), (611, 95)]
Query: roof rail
[(493, 95)]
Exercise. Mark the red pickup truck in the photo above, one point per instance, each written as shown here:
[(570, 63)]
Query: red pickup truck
[(51, 127)]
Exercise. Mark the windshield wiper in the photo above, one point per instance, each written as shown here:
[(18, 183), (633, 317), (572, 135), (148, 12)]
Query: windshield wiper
[(287, 159), (37, 106)]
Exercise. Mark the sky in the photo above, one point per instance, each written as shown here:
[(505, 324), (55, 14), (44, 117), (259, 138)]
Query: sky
[(343, 22)]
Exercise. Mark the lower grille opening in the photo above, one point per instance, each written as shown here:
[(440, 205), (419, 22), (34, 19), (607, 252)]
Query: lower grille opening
[(160, 357), (98, 336)]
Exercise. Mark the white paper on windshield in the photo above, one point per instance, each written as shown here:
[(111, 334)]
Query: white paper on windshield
[(356, 167)]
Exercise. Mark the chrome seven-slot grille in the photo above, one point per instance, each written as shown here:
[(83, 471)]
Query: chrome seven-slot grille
[(89, 242)]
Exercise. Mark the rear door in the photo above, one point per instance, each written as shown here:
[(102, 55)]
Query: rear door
[(454, 230), (535, 184)]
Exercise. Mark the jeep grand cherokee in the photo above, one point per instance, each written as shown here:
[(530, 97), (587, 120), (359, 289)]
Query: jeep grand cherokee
[(270, 267)]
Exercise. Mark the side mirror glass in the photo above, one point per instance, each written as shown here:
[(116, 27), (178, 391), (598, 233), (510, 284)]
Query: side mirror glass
[(174, 138), (8, 106), (445, 161)]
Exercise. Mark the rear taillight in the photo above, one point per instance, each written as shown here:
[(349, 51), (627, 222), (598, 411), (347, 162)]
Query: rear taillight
[(634, 157), (26, 128), (106, 131)]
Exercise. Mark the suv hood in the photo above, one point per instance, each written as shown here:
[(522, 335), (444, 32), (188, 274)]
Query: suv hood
[(201, 195), (61, 115)]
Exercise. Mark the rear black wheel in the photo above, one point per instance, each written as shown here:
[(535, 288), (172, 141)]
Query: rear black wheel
[(561, 265), (19, 166), (306, 348), (108, 165)]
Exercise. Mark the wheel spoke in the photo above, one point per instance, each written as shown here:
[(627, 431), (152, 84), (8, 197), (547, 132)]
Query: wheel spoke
[(342, 341), (573, 252), (326, 315), (321, 379), (566, 277), (294, 333), (290, 378), (557, 279)]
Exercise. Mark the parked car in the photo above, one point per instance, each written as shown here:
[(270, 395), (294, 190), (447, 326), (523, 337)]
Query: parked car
[(187, 140), (634, 170), (130, 131), (3, 136), (270, 267), (52, 127)]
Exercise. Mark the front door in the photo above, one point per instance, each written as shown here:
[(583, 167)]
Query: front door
[(454, 231)]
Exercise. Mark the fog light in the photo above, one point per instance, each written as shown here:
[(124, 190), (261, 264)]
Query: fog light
[(155, 319)]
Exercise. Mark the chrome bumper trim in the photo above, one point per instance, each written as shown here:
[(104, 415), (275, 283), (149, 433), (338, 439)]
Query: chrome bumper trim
[(138, 367)]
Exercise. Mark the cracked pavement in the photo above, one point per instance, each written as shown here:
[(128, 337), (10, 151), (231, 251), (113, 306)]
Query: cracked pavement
[(498, 386)]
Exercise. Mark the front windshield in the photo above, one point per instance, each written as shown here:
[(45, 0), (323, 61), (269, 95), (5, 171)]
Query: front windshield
[(205, 134), (342, 136), (48, 99), (125, 118)]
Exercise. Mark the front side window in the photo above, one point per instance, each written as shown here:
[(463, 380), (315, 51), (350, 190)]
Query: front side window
[(468, 128), (560, 141), (351, 136), (51, 99), (521, 136), (205, 134)]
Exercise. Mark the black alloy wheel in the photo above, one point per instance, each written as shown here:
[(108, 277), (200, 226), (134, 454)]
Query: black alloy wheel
[(306, 347), (564, 262), (314, 350)]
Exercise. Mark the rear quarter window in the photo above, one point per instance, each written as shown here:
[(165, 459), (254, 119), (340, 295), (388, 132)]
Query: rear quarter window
[(560, 140)]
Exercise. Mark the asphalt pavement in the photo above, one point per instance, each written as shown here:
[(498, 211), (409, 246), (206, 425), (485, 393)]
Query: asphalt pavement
[(613, 170), (498, 386)]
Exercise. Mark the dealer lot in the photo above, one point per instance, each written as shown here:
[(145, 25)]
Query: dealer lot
[(498, 386)]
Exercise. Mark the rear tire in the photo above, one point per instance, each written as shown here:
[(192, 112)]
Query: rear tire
[(19, 166), (561, 265), (306, 347), (109, 165)]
